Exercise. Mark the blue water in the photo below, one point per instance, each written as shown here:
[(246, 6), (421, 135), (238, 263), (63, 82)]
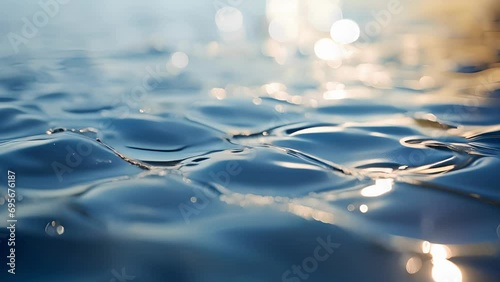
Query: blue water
[(237, 166)]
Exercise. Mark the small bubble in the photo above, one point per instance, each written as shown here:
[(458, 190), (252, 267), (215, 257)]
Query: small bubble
[(279, 108), (193, 200), (54, 228), (257, 101), (350, 207)]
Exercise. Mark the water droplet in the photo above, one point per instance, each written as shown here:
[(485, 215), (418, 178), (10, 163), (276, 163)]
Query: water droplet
[(257, 101), (54, 228)]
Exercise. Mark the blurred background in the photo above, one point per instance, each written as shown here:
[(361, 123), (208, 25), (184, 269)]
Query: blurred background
[(228, 139)]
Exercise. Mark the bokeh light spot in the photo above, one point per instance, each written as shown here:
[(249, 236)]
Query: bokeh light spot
[(345, 31)]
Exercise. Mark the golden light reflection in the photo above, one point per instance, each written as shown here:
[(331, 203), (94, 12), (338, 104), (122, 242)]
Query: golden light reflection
[(337, 94), (310, 213), (295, 99), (278, 51), (439, 252), (443, 270), (426, 247), (282, 8), (298, 209), (423, 83), (296, 165), (413, 265), (446, 271), (298, 25), (281, 95), (283, 17), (328, 50), (321, 14), (381, 186), (336, 91), (273, 87), (365, 71), (247, 199), (219, 93), (319, 129)]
